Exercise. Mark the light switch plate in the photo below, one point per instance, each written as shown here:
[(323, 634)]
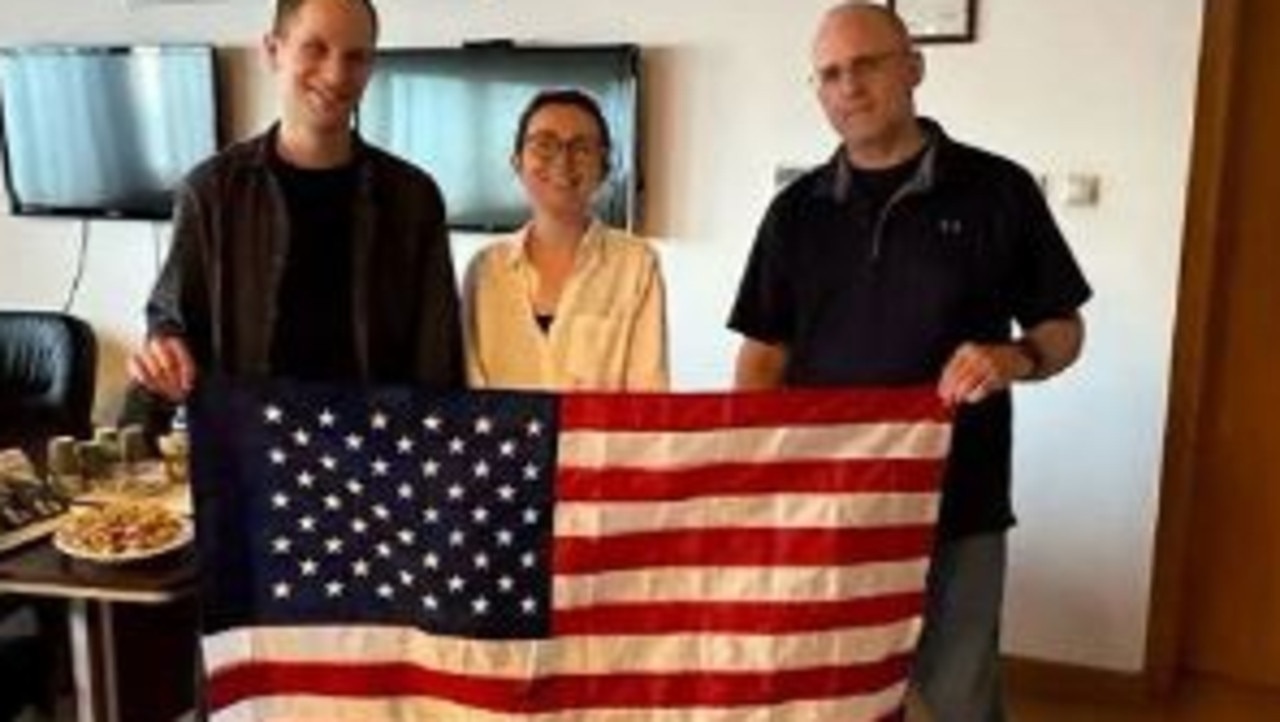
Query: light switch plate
[(1082, 189)]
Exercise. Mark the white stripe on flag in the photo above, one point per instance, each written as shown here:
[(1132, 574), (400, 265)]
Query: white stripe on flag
[(778, 511), (544, 659), (740, 584)]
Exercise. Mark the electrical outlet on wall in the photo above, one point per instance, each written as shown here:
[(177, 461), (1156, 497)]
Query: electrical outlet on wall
[(1082, 189), (785, 174), (1074, 189)]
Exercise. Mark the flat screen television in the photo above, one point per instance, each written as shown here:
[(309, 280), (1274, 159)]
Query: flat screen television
[(98, 131), (453, 111)]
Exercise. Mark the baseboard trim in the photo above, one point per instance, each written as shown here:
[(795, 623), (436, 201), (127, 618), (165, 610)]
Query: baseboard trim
[(1068, 681)]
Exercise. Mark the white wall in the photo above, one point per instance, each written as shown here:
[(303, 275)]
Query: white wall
[(1062, 85)]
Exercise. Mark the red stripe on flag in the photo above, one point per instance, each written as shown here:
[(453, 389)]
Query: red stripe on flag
[(745, 617), (700, 412), (618, 690), (740, 548), (861, 475)]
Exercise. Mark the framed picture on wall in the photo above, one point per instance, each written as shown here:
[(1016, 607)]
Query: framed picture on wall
[(134, 4), (939, 21)]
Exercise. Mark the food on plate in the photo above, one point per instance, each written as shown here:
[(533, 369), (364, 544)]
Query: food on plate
[(122, 529)]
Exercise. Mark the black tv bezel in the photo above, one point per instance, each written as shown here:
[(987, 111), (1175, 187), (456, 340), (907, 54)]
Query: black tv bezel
[(18, 208), (633, 54)]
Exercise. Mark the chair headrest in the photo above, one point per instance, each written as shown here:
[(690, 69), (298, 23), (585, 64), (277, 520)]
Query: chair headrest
[(47, 363)]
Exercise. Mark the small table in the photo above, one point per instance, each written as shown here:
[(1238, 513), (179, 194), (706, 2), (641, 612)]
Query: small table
[(146, 611)]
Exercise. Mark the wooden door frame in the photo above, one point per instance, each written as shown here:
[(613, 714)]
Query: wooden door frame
[(1194, 330)]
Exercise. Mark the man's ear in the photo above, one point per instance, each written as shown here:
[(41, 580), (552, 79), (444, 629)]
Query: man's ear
[(917, 68), (515, 162), (271, 49)]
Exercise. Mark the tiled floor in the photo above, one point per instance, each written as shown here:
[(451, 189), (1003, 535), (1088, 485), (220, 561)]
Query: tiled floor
[(1196, 700)]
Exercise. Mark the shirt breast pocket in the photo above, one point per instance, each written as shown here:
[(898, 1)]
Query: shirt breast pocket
[(595, 348), (949, 264)]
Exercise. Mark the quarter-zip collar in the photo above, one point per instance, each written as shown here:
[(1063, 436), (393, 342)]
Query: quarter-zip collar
[(926, 176)]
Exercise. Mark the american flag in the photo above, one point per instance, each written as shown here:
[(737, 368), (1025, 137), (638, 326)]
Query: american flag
[(392, 554)]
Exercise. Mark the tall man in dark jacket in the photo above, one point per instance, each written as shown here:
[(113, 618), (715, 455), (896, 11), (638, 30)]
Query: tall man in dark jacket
[(304, 252), (907, 259)]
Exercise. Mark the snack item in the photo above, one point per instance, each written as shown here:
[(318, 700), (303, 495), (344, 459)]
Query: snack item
[(122, 531), (23, 502)]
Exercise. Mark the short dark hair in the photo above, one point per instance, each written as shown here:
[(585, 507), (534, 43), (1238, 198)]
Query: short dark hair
[(571, 97), (286, 9)]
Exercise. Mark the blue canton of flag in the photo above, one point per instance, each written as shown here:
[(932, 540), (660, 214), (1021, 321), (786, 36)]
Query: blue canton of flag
[(382, 508)]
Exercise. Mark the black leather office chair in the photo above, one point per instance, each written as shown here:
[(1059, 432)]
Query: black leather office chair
[(48, 367)]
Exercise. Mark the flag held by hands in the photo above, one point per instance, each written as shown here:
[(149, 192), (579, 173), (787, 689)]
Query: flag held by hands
[(391, 554)]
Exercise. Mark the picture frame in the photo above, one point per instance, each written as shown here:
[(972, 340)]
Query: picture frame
[(939, 21), (142, 4)]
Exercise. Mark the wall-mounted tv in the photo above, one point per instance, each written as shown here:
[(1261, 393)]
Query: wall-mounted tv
[(453, 111), (97, 131)]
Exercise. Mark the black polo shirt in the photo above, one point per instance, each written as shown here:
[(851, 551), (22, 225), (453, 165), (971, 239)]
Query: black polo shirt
[(882, 293)]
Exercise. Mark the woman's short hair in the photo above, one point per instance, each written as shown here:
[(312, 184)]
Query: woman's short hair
[(571, 97)]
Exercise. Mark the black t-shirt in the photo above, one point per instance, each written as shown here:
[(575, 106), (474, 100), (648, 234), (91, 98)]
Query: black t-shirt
[(875, 292), (314, 333)]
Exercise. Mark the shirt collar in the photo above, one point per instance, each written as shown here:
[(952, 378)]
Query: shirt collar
[(840, 178), (265, 155), (516, 252)]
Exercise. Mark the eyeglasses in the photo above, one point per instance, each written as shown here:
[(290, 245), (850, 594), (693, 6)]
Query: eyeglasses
[(859, 68), (548, 146)]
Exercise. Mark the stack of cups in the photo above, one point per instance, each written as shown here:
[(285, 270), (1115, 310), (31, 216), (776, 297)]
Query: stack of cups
[(64, 466), (133, 446), (94, 463)]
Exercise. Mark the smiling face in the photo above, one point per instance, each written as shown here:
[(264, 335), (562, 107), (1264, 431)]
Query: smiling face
[(322, 56), (866, 71), (561, 160)]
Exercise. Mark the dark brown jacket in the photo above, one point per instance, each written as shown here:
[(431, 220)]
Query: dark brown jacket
[(218, 288)]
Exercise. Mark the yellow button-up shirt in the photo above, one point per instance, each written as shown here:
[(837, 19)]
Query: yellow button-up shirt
[(609, 330)]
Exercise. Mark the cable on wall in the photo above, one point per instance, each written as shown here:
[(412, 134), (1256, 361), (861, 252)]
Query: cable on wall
[(80, 264), (157, 245)]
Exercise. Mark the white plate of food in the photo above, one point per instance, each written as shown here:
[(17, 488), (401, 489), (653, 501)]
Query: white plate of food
[(123, 532)]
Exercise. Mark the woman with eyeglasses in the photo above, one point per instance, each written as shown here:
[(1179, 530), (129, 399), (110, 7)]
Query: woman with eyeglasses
[(566, 302)]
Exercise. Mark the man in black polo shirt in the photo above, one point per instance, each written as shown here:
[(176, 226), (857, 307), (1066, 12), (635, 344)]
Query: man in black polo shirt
[(907, 259)]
